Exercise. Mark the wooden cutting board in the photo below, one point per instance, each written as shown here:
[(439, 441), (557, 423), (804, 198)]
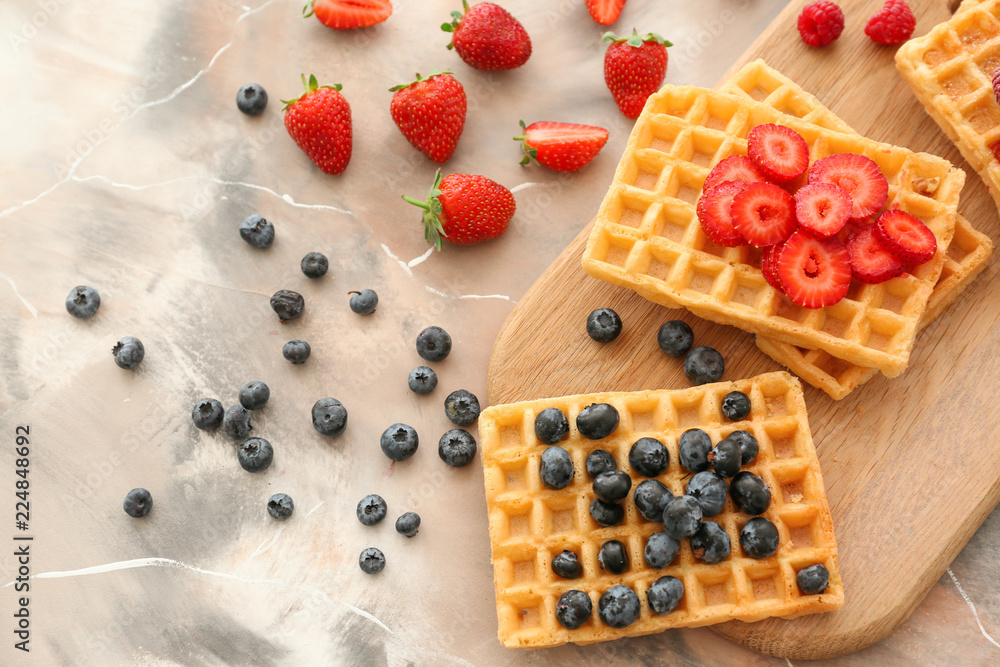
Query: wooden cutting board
[(908, 464)]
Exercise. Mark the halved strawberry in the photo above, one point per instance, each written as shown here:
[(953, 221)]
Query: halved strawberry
[(780, 152), (814, 272), (714, 214), (561, 146), (823, 208), (858, 175), (906, 237), (347, 14), (734, 168), (605, 12), (764, 214), (769, 266), (870, 262)]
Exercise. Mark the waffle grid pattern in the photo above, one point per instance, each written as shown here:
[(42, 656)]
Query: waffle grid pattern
[(530, 524)]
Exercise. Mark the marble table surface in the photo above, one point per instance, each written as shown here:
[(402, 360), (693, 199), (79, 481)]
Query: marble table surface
[(126, 166)]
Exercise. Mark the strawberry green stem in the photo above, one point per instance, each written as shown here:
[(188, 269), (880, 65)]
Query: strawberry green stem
[(635, 39), (529, 152), (433, 227)]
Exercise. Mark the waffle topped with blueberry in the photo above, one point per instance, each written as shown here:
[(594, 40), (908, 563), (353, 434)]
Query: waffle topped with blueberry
[(623, 514)]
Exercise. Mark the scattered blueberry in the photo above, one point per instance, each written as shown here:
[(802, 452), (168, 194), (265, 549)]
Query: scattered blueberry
[(750, 493), (726, 458), (137, 503), (372, 560), (280, 506), (371, 509), (648, 457), (551, 426), (573, 608), (329, 416), (597, 420), (747, 443), (296, 351), (703, 365), (556, 468), (710, 544), (128, 352), (813, 580), (567, 565), (736, 406), (433, 344), (399, 442), (606, 514), (287, 304), (457, 447), (709, 490), (315, 265), (364, 302), (664, 595), (83, 302), (694, 447), (207, 414), (651, 497), (612, 557), (255, 454), (257, 231), (599, 461), (408, 524), (759, 538), (236, 422), (422, 380), (251, 99), (618, 606), (682, 517), (461, 407), (254, 395), (604, 325), (661, 550), (675, 338), (612, 486)]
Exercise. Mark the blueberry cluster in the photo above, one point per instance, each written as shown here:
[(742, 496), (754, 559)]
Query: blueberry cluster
[(372, 509)]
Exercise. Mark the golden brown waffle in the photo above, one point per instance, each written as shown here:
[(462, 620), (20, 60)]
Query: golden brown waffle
[(530, 524), (647, 236)]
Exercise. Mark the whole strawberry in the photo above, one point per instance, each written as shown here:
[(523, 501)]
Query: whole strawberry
[(465, 209), (634, 69), (320, 123), (431, 114), (488, 37), (561, 146), (893, 24)]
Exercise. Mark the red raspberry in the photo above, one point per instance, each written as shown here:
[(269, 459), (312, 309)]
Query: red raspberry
[(821, 23), (893, 24)]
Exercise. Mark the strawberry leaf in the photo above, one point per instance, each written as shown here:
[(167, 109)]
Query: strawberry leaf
[(433, 211)]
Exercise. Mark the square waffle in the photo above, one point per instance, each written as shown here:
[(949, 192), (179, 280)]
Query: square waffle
[(530, 524), (647, 236)]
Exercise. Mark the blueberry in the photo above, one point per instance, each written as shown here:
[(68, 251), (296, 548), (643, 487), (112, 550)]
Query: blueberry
[(612, 557), (128, 352), (606, 514), (257, 231), (372, 560), (573, 608), (681, 517), (207, 414), (457, 447), (408, 524), (461, 407), (747, 443), (661, 550), (433, 344), (612, 486), (399, 442), (675, 338), (726, 458), (287, 304), (556, 468), (364, 302), (709, 490), (236, 422), (280, 506), (651, 497), (648, 457), (567, 565), (422, 380), (251, 99), (694, 447), (599, 461), (750, 493), (371, 509), (83, 302), (813, 580), (618, 606), (664, 595), (255, 454), (315, 265), (296, 351), (710, 544), (736, 406), (703, 365), (329, 416), (254, 395), (551, 426), (604, 325), (759, 538), (138, 502), (596, 421)]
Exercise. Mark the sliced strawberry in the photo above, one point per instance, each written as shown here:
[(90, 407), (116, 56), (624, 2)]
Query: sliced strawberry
[(906, 237), (347, 14), (823, 208), (605, 12), (764, 214), (814, 272), (780, 152), (734, 168), (769, 266), (857, 174), (714, 214), (561, 146), (870, 262)]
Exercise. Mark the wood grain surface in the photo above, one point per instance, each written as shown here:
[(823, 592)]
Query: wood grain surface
[(907, 475)]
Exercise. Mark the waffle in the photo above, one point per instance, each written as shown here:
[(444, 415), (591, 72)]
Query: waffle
[(647, 236), (530, 524)]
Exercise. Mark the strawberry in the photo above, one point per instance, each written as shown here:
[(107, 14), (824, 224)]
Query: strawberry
[(870, 261), (714, 214), (561, 146), (780, 152), (634, 68), (859, 176), (906, 237), (822, 208), (764, 214), (430, 113), (465, 209), (814, 272), (605, 12), (320, 123), (346, 14), (769, 266), (488, 37), (733, 168)]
